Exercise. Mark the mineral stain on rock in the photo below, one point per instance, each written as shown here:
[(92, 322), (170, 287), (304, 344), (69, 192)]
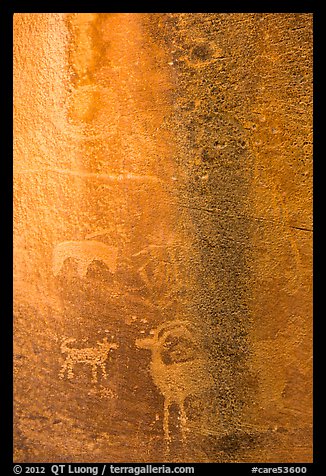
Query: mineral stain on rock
[(162, 237)]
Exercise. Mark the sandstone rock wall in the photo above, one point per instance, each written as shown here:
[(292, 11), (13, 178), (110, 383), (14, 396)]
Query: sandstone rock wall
[(163, 237)]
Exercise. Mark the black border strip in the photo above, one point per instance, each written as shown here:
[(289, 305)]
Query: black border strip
[(7, 10)]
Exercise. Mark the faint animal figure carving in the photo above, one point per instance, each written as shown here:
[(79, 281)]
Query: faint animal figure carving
[(161, 269), (84, 252), (185, 373), (94, 356)]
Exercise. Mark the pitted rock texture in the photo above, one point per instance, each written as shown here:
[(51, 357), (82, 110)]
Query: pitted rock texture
[(163, 237)]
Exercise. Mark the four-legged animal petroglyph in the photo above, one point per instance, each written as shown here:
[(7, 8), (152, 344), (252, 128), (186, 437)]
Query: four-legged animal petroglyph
[(84, 252), (93, 356), (185, 376)]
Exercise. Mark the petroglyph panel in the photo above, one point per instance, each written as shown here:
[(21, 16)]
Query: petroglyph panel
[(163, 237)]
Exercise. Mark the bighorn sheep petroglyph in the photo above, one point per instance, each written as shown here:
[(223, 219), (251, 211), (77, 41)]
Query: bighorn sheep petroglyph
[(185, 375), (94, 356), (84, 252)]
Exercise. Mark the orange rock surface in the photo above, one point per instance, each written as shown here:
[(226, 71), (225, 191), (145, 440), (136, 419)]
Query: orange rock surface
[(163, 237)]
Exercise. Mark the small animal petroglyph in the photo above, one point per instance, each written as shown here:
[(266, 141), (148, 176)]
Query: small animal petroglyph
[(94, 356), (186, 374), (84, 252)]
